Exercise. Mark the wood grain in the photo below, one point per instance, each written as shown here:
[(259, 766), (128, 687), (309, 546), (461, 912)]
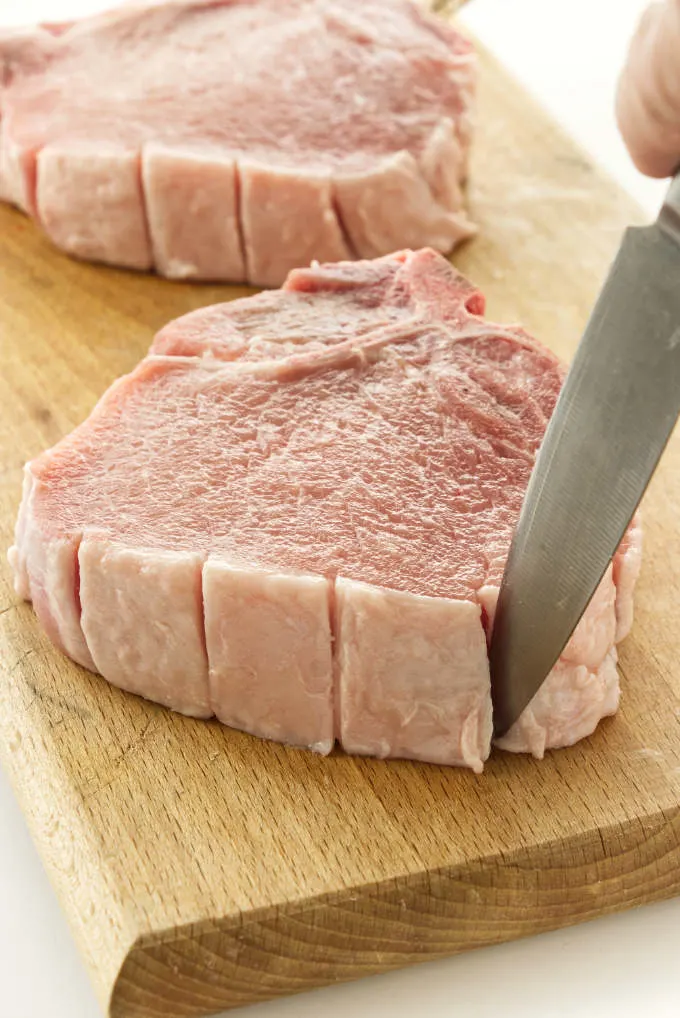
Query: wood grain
[(202, 869)]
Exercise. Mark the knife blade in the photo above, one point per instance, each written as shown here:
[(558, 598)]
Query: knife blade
[(611, 423)]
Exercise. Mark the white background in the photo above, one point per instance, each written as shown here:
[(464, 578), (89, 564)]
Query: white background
[(567, 52)]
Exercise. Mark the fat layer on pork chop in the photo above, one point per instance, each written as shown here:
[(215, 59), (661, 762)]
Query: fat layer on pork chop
[(295, 512), (238, 139)]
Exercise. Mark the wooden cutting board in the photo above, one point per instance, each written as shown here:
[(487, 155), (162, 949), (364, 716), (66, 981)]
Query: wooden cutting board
[(202, 869)]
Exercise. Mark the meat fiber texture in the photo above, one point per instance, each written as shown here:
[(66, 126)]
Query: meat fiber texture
[(294, 514), (239, 139)]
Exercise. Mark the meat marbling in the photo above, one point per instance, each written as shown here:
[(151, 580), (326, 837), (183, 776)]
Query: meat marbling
[(238, 139), (294, 514)]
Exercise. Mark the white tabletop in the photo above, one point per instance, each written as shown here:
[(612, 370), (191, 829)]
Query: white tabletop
[(568, 53)]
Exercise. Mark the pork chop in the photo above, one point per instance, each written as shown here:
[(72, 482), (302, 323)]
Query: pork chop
[(295, 512), (238, 139)]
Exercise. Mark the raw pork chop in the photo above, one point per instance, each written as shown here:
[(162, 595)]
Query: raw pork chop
[(237, 139), (295, 513)]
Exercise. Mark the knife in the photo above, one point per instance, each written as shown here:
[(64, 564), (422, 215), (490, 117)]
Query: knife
[(613, 418)]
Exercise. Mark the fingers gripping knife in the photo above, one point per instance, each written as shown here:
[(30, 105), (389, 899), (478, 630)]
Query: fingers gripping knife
[(612, 421)]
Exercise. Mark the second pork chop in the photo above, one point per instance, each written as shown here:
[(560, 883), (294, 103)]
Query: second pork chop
[(295, 514), (237, 139)]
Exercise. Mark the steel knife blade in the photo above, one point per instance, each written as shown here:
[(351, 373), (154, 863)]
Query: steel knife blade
[(613, 418)]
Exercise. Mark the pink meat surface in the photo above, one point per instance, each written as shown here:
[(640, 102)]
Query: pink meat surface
[(238, 139), (294, 514)]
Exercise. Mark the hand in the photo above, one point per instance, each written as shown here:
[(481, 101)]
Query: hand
[(648, 98)]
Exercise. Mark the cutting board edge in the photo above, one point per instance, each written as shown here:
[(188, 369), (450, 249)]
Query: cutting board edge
[(519, 893), (38, 811), (436, 912)]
